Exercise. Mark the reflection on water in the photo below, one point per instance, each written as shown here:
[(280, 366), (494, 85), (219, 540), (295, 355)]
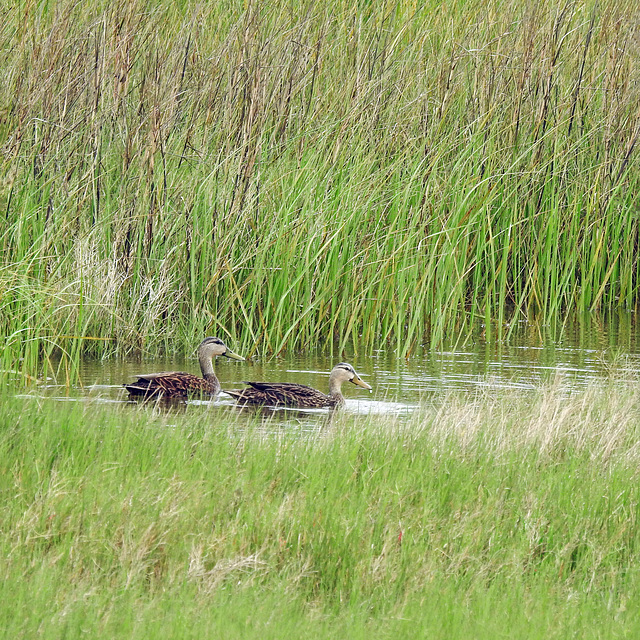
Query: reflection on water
[(572, 356)]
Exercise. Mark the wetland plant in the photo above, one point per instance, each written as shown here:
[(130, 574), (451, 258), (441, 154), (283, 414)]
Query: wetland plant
[(298, 176)]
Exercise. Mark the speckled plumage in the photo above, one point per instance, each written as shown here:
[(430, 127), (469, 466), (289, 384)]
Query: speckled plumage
[(178, 384), (291, 394), (172, 384)]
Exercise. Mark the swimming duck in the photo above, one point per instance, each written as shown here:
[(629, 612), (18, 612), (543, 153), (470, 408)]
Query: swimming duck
[(299, 395), (176, 384)]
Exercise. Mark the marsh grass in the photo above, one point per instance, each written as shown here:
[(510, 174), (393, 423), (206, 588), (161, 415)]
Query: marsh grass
[(305, 175), (487, 515)]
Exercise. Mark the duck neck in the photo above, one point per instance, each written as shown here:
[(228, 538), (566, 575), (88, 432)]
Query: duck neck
[(206, 365), (334, 390)]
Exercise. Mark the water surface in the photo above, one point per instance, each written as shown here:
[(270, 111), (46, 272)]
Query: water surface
[(572, 356)]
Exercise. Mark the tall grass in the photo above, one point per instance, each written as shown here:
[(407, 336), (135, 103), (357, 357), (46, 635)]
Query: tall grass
[(480, 517), (312, 173)]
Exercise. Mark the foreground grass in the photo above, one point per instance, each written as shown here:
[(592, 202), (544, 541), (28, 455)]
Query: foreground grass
[(480, 517), (290, 175)]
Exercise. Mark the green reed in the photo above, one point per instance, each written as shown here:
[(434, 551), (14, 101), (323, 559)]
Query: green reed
[(312, 174), (478, 516)]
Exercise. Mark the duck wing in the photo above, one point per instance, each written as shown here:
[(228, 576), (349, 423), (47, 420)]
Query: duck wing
[(286, 394), (176, 384)]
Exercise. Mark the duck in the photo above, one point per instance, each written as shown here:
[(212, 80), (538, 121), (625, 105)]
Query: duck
[(180, 385), (289, 394)]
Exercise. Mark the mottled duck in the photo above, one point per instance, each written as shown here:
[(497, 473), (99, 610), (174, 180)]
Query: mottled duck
[(176, 384), (299, 395)]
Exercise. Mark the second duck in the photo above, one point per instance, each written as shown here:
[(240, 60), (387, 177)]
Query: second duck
[(291, 394)]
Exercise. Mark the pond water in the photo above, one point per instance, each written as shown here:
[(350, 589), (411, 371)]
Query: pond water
[(572, 355)]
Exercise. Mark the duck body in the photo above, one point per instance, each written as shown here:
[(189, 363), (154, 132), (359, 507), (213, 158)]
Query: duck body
[(180, 385), (291, 394), (176, 384), (283, 394)]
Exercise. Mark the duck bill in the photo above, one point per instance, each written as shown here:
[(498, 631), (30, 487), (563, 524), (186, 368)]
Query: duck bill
[(361, 383), (232, 355)]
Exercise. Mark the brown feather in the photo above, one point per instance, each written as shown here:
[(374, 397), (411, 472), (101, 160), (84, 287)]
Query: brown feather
[(284, 394), (175, 384)]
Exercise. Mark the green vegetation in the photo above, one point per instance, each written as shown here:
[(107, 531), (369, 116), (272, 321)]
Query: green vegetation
[(293, 174), (484, 517)]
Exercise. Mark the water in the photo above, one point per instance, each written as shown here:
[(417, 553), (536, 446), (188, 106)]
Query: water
[(573, 356)]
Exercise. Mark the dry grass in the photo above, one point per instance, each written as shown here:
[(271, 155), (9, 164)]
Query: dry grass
[(601, 421)]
